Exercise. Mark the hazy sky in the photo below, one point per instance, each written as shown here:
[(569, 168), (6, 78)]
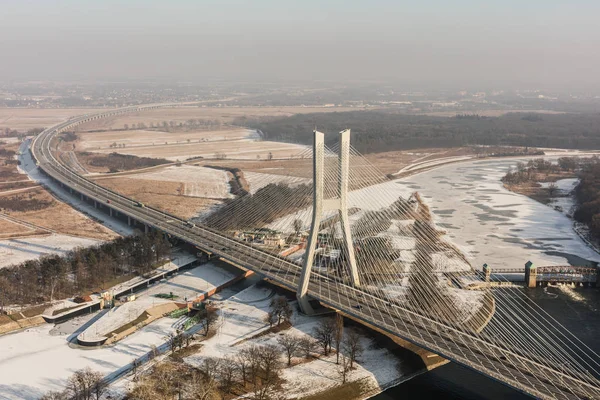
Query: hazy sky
[(465, 43)]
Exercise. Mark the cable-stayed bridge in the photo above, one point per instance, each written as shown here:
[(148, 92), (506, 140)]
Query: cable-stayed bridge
[(371, 254)]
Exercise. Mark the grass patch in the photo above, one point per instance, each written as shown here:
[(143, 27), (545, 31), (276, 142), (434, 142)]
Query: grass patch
[(180, 354), (130, 324), (168, 296), (34, 311), (348, 391), (62, 310)]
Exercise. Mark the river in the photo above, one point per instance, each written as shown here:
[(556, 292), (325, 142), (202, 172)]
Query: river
[(505, 230)]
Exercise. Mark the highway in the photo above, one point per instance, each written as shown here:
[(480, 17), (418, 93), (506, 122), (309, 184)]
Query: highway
[(470, 350)]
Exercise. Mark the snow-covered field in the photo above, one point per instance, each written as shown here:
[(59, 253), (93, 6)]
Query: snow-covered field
[(243, 318), (143, 137), (237, 144), (15, 251), (35, 361), (185, 285), (197, 181), (40, 359)]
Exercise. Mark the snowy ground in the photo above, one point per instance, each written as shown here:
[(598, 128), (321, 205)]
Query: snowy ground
[(185, 285), (15, 251), (197, 181), (242, 318), (40, 359), (35, 361)]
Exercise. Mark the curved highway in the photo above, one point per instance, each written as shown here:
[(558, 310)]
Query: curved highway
[(470, 350)]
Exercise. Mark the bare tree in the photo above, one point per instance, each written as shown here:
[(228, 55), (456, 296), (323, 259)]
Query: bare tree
[(307, 344), (552, 189), (85, 384), (352, 346), (210, 367), (323, 334), (344, 369), (54, 395), (290, 344), (271, 318), (227, 373), (243, 365), (175, 340), (281, 309), (338, 335), (210, 320), (297, 226)]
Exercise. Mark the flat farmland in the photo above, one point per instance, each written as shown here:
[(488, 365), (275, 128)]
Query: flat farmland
[(23, 119), (93, 141), (231, 149), (223, 115), (55, 215), (194, 181), (161, 194)]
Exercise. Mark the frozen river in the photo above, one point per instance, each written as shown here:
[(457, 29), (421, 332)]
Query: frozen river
[(493, 225)]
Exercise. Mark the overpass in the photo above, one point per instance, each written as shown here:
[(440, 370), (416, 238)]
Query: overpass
[(543, 367)]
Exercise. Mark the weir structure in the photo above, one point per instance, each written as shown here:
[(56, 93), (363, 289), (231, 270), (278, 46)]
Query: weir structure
[(338, 203)]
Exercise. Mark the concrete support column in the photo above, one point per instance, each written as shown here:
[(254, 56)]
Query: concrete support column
[(128, 220), (309, 256), (71, 190), (487, 272), (95, 204), (530, 275), (81, 196), (146, 228), (110, 211), (344, 175)]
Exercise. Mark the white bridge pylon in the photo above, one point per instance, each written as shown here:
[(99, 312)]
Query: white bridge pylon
[(320, 205)]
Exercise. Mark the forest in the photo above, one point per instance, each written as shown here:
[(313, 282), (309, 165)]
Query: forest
[(379, 131), (82, 270), (587, 191), (588, 197)]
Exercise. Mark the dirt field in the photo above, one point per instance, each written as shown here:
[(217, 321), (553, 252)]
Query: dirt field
[(62, 218), (23, 119), (10, 229), (93, 141), (231, 149), (163, 195), (181, 114)]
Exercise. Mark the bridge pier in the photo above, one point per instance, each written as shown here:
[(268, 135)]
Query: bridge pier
[(321, 204), (110, 211), (487, 272), (530, 275), (128, 220), (95, 204), (81, 196), (146, 228)]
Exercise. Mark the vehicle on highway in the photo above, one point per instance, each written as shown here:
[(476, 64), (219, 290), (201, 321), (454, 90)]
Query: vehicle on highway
[(357, 306), (190, 224), (138, 204), (108, 201)]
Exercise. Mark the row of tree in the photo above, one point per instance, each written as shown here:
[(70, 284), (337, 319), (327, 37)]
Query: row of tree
[(81, 270), (171, 126), (116, 162), (379, 131)]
